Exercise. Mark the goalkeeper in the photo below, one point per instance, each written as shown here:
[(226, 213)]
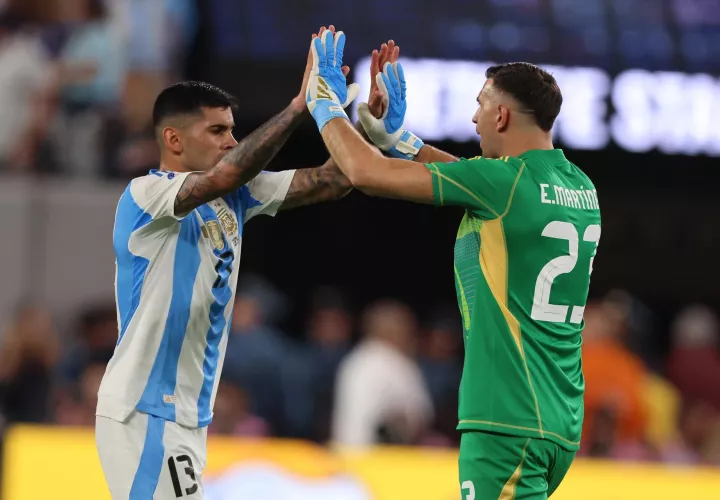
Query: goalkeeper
[(523, 259)]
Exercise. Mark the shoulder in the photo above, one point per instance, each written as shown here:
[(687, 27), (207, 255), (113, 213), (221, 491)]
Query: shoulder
[(583, 175), (503, 160), (505, 168), (504, 164), (156, 180)]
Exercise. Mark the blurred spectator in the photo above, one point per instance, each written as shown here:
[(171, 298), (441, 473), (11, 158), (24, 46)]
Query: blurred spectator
[(28, 350), (698, 421), (255, 351), (380, 395), (158, 34), (694, 364), (639, 334), (441, 366), (77, 407), (94, 343), (310, 367), (614, 382), (92, 76), (232, 416), (28, 85), (663, 403)]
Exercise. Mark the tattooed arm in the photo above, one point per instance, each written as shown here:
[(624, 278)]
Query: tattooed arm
[(315, 185), (241, 164)]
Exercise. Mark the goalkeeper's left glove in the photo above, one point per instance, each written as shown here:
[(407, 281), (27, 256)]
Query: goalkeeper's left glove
[(327, 90), (388, 132)]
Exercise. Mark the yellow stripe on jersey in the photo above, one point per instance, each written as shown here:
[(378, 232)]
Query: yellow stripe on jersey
[(494, 266), (465, 309), (493, 263)]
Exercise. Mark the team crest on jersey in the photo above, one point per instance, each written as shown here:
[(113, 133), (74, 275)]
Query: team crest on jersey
[(215, 233), (227, 221)]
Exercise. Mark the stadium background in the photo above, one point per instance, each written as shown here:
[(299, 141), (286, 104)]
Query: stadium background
[(642, 88)]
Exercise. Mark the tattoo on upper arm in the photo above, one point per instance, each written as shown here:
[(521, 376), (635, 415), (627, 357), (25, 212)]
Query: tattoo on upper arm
[(315, 185), (240, 165), (196, 190)]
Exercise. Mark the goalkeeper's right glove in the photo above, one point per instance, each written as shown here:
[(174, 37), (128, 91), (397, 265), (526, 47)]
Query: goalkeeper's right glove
[(388, 132)]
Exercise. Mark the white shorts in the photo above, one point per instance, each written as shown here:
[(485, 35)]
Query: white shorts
[(150, 458)]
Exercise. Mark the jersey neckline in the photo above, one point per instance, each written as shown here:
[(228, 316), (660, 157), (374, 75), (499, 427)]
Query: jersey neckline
[(548, 154)]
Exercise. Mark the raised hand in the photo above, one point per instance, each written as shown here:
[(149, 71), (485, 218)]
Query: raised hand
[(387, 131), (300, 98), (327, 89), (389, 52)]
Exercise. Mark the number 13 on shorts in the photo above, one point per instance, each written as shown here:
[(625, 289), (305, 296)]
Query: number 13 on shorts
[(468, 490)]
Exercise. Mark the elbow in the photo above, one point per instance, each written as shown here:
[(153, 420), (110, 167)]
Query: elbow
[(365, 183), (357, 178), (362, 178)]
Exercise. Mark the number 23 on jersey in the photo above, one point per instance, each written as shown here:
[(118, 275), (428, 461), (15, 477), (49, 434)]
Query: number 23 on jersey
[(542, 309)]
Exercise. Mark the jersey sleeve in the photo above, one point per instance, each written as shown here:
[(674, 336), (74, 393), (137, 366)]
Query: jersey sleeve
[(265, 193), (483, 185), (155, 193)]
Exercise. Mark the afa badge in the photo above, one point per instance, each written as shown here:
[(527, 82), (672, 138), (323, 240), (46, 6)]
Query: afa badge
[(227, 221), (213, 231)]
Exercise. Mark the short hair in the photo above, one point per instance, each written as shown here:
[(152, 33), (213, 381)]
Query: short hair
[(187, 98), (534, 88)]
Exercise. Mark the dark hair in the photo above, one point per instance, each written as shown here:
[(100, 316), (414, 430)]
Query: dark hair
[(534, 88), (188, 98), (96, 9)]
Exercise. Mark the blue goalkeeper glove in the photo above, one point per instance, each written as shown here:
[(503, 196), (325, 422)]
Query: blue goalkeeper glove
[(327, 90), (388, 132)]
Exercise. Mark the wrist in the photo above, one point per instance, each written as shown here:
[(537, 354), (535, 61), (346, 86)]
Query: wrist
[(407, 146), (324, 110)]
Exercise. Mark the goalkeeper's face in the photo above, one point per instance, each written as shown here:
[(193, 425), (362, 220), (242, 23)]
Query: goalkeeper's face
[(490, 121), (208, 138)]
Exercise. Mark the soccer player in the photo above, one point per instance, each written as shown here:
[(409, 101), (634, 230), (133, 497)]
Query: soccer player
[(523, 259), (177, 238)]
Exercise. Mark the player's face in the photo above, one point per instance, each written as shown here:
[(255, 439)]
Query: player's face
[(485, 120), (209, 138)]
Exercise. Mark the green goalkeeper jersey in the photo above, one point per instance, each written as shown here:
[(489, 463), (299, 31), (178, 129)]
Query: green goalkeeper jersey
[(523, 259)]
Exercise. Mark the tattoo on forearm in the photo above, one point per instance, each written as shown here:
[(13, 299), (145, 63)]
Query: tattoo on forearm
[(196, 190), (315, 185), (240, 165)]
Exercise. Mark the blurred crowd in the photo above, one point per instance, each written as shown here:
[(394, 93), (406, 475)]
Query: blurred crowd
[(78, 78), (384, 374)]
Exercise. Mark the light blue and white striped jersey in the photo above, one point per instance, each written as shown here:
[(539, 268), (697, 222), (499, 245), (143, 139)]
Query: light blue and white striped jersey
[(174, 288)]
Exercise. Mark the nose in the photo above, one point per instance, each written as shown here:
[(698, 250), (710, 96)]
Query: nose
[(475, 118), (231, 143)]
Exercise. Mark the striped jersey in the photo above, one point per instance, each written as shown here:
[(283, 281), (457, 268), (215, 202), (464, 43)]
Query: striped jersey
[(174, 288)]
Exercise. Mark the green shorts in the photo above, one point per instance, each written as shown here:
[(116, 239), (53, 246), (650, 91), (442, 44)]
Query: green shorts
[(500, 467)]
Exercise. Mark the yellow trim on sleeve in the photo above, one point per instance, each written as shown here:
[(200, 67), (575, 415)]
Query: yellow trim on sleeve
[(512, 190), (473, 195), (440, 186)]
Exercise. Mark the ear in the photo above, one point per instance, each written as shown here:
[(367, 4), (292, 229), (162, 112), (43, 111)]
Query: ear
[(502, 118), (171, 140)]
